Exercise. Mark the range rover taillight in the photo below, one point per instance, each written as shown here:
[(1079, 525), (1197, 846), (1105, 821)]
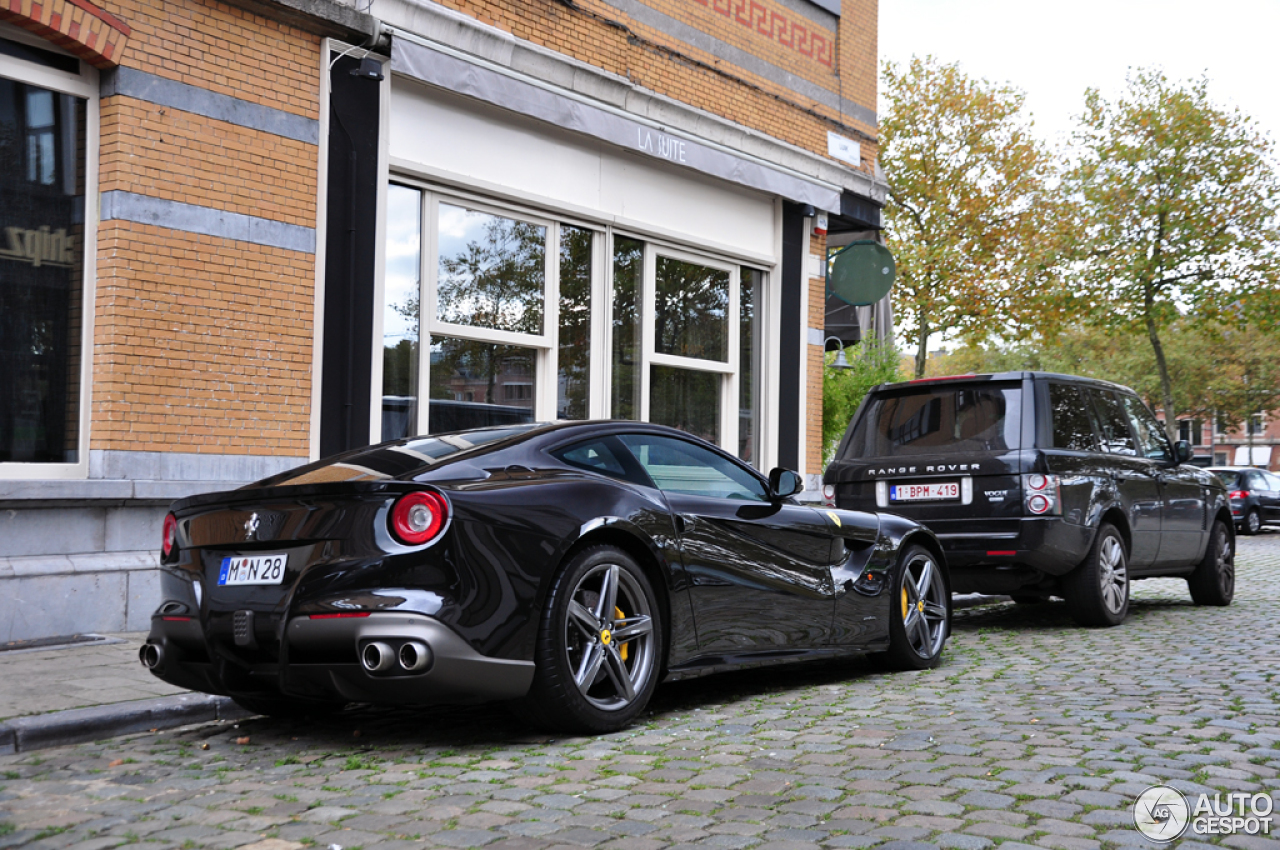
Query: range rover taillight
[(1041, 494), (417, 518), (1238, 495), (169, 536)]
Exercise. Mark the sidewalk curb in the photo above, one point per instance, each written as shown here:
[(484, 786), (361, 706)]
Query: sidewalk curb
[(77, 725)]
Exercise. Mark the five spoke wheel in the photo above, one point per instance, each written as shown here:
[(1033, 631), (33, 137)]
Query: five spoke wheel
[(599, 645), (609, 637), (918, 635), (1214, 579)]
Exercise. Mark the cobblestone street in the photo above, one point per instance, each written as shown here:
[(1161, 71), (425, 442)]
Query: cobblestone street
[(1032, 732)]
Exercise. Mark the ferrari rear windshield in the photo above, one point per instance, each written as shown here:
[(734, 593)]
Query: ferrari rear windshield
[(939, 419), (391, 460)]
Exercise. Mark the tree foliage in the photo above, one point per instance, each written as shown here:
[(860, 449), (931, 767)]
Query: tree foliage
[(969, 204), (1176, 207), (871, 362)]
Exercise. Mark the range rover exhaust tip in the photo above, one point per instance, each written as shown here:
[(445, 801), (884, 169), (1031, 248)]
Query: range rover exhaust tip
[(377, 657), (150, 654), (414, 656)]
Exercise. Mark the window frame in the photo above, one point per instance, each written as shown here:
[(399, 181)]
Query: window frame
[(546, 345), (83, 85)]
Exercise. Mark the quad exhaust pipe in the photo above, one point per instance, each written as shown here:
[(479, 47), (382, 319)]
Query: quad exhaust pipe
[(379, 657), (151, 655)]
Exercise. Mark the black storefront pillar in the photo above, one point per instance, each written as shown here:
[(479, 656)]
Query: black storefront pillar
[(350, 253), (790, 378)]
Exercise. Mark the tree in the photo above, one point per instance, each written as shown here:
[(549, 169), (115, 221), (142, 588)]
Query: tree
[(871, 362), (968, 203), (1176, 204), (1246, 377)]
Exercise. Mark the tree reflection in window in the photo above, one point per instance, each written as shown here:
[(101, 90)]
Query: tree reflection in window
[(475, 384), (492, 271), (691, 307), (574, 379), (628, 267)]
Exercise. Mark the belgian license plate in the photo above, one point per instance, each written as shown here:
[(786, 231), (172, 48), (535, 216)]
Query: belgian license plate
[(932, 491), (252, 569)]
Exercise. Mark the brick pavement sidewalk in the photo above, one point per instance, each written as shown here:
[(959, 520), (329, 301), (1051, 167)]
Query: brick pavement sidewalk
[(47, 679)]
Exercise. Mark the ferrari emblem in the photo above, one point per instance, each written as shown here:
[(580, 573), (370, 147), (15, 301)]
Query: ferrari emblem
[(251, 526), (605, 637)]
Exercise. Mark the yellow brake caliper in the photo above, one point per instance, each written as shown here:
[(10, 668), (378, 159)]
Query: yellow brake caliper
[(622, 650), (906, 604)]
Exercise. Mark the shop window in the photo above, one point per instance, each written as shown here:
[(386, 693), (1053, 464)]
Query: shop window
[(46, 135), (497, 316)]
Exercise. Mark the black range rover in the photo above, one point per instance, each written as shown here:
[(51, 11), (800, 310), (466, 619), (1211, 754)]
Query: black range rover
[(1040, 485)]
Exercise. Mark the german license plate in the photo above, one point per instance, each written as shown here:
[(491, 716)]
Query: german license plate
[(932, 491), (252, 569)]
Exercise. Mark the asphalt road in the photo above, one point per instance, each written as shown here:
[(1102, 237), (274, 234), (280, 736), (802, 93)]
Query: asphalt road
[(1033, 732)]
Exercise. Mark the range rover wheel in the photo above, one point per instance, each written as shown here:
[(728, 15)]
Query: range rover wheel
[(1214, 580), (1252, 522), (920, 619), (599, 646), (1097, 591)]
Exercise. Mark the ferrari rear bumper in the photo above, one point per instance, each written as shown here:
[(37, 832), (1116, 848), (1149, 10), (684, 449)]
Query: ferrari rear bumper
[(329, 659)]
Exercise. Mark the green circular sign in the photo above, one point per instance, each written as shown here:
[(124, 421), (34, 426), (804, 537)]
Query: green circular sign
[(861, 273)]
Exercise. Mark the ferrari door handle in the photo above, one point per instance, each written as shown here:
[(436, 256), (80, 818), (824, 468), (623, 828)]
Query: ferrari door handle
[(681, 524)]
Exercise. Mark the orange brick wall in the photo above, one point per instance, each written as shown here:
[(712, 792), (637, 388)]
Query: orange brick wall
[(601, 35), (204, 344)]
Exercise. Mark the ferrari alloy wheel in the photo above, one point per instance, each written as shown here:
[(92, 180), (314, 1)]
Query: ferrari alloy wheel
[(599, 644), (1097, 591), (1214, 579), (920, 619)]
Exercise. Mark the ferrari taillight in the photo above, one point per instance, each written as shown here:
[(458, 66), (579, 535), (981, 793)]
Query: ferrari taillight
[(416, 518), (170, 535)]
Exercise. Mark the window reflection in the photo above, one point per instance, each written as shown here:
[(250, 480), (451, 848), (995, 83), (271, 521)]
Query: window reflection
[(628, 269), (401, 316), (42, 230), (475, 384), (574, 378), (492, 271), (691, 308), (686, 399), (751, 290)]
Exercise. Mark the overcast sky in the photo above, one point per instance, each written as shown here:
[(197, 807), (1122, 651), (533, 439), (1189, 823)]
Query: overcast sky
[(1053, 51)]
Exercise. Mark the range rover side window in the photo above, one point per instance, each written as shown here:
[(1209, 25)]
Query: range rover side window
[(1116, 437), (1151, 437), (1072, 429)]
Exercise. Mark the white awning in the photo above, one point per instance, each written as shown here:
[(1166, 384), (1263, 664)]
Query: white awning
[(1261, 456)]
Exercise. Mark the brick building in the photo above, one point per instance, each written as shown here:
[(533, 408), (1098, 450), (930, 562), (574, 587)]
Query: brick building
[(238, 235)]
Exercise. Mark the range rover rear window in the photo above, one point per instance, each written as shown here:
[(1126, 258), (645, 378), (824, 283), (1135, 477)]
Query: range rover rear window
[(939, 420)]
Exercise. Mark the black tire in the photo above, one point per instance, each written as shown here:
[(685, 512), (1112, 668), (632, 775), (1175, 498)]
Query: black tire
[(586, 679), (1214, 579), (1023, 599), (920, 612), (287, 707), (1252, 522), (1097, 591)]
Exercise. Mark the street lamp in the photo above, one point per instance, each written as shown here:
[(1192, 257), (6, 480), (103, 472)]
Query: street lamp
[(841, 362)]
